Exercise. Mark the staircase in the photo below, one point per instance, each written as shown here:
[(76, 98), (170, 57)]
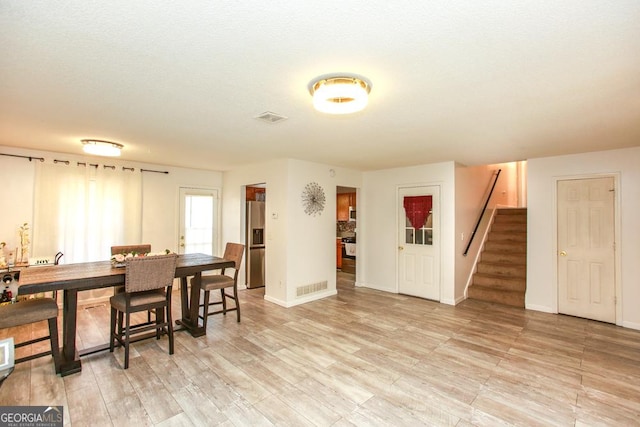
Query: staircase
[(501, 273)]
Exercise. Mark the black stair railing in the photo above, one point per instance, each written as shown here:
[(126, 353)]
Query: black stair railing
[(484, 208)]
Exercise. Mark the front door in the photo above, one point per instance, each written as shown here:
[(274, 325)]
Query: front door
[(586, 257), (419, 241)]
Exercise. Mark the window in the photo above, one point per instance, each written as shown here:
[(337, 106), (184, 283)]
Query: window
[(418, 220)]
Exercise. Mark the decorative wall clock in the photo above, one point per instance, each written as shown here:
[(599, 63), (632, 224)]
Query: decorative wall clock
[(313, 199)]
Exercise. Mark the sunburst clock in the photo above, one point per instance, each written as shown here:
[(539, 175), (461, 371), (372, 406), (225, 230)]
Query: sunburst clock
[(313, 199)]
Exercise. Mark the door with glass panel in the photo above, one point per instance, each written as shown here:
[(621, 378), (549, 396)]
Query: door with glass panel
[(419, 241), (198, 230)]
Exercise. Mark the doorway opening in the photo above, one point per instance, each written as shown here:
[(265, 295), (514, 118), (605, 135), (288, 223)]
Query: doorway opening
[(255, 236), (346, 237)]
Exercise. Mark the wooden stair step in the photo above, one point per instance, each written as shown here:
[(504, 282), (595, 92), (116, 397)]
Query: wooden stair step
[(502, 269), (499, 282), (508, 246), (520, 227), (509, 236), (512, 211), (504, 257), (512, 219), (511, 298)]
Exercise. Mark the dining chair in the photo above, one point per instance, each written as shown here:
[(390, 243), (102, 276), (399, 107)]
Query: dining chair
[(148, 284), (144, 248), (232, 252), (30, 311)]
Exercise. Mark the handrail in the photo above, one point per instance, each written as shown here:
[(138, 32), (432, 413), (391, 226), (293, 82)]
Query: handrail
[(484, 208)]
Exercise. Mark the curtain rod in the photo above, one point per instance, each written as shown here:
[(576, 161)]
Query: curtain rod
[(23, 157), (66, 162), (149, 170)]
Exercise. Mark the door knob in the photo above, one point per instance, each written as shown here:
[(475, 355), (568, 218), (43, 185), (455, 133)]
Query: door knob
[(400, 248), (563, 253)]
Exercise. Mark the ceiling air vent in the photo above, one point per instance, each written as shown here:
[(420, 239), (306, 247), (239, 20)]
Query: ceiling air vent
[(269, 117)]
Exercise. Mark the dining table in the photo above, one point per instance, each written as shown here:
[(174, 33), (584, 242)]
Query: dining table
[(74, 278)]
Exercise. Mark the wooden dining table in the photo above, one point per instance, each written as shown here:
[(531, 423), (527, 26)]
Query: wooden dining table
[(74, 278)]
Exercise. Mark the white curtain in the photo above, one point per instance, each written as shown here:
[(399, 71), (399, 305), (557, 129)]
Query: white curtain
[(83, 210)]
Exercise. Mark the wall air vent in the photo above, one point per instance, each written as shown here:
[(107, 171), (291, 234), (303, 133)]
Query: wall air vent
[(311, 288), (271, 118)]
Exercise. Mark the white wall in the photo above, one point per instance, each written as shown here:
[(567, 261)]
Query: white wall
[(161, 203), (377, 224), (274, 174), (541, 246), (300, 249)]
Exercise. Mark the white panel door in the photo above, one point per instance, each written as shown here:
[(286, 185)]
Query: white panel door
[(586, 260), (419, 247)]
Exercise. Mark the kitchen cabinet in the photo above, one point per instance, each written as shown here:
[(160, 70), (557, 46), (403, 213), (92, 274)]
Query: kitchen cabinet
[(338, 253), (255, 194), (344, 201)]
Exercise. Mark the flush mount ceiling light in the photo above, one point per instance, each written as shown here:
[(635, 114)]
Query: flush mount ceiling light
[(101, 148), (341, 94)]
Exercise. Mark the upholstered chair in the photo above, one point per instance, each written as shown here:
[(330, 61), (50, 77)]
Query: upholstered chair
[(148, 285), (233, 252), (31, 311)]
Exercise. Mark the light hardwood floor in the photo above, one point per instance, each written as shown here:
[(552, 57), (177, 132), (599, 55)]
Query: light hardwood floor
[(360, 358)]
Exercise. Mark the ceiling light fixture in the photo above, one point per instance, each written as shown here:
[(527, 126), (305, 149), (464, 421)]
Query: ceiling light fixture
[(342, 94), (101, 148)]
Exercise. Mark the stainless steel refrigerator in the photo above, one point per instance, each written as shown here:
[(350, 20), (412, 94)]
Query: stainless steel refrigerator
[(255, 244)]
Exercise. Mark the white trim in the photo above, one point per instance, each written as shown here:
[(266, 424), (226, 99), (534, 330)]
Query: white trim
[(450, 301), (275, 301), (310, 298), (542, 308), (631, 325)]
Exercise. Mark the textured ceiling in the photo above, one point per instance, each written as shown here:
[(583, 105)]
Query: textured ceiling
[(181, 83)]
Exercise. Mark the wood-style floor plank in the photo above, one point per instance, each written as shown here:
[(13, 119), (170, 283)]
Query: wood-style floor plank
[(361, 357)]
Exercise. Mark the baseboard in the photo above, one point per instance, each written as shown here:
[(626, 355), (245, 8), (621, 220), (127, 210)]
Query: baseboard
[(460, 299), (275, 301), (313, 297), (449, 301), (542, 308), (364, 285), (306, 299), (631, 325)]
